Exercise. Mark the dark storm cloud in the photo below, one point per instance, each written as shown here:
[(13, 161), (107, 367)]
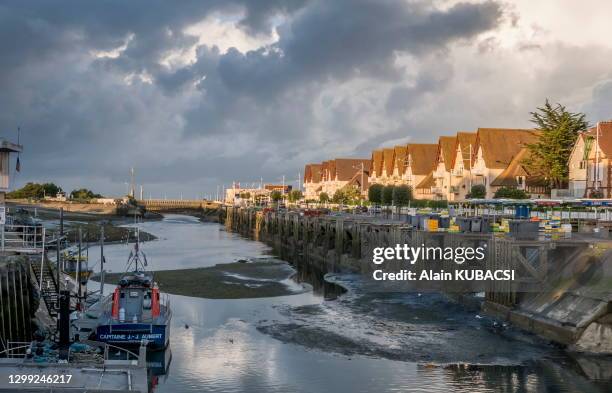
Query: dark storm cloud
[(339, 39), (90, 119)]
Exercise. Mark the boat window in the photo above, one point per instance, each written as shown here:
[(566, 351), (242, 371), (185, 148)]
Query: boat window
[(146, 302), (122, 295)]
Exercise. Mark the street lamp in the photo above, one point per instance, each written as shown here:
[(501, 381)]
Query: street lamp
[(361, 166)]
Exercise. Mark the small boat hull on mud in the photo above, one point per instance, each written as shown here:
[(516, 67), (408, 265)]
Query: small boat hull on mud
[(127, 334)]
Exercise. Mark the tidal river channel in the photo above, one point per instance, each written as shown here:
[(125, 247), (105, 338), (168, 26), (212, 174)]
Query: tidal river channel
[(319, 339)]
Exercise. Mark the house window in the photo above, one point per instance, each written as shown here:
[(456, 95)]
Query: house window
[(582, 164)]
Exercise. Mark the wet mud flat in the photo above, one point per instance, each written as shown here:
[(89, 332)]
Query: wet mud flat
[(256, 278), (435, 333), (404, 326)]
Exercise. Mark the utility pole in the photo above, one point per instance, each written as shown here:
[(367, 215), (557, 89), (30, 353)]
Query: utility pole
[(470, 166), (61, 229), (132, 184), (299, 179), (101, 261), (78, 272), (597, 159)]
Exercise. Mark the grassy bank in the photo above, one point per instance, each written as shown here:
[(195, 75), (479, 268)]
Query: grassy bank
[(112, 233), (90, 224), (225, 281)]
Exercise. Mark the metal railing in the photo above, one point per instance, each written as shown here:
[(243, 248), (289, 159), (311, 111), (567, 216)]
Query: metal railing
[(22, 238), (15, 349)]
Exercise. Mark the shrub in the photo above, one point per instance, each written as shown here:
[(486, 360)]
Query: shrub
[(478, 191)]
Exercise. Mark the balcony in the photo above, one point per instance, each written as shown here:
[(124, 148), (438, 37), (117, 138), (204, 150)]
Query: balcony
[(438, 174), (478, 172), (454, 190), (437, 190)]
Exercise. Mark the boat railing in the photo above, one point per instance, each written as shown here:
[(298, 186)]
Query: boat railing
[(123, 352)]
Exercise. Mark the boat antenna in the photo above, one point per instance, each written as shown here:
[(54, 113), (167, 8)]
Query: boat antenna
[(136, 254)]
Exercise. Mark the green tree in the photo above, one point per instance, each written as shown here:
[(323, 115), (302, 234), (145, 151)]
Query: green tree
[(35, 190), (402, 195), (558, 132), (347, 195), (509, 192), (324, 197), (477, 191), (295, 195), (245, 195), (387, 195), (276, 196), (375, 194), (84, 194), (338, 197)]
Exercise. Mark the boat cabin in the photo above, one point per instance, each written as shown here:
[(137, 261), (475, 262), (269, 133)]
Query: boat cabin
[(136, 299)]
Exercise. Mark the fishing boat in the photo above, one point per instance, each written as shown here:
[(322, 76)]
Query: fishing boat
[(136, 310), (73, 268)]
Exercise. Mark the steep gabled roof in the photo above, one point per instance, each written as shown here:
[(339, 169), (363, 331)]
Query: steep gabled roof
[(388, 159), (331, 165), (325, 170), (423, 157), (446, 150), (357, 177), (312, 173), (605, 136), (464, 141), (516, 168), (400, 159), (377, 162), (347, 167), (427, 182), (500, 145)]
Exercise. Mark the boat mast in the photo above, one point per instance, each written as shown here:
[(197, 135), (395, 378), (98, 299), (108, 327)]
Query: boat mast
[(101, 261)]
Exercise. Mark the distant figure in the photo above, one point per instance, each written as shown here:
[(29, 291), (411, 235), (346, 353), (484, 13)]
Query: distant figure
[(186, 326), (231, 340)]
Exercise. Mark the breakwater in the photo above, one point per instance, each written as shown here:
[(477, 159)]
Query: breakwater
[(570, 305)]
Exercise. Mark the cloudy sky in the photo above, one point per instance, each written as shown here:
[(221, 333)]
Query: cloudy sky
[(195, 94)]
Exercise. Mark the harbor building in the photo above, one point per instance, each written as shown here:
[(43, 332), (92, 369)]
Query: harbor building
[(376, 176), (420, 162), (461, 167), (590, 167), (330, 176), (495, 150), (444, 163), (312, 181)]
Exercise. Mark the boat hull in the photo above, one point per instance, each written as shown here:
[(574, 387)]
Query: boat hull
[(127, 334)]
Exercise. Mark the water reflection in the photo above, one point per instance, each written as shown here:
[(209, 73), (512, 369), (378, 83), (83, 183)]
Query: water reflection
[(217, 347)]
